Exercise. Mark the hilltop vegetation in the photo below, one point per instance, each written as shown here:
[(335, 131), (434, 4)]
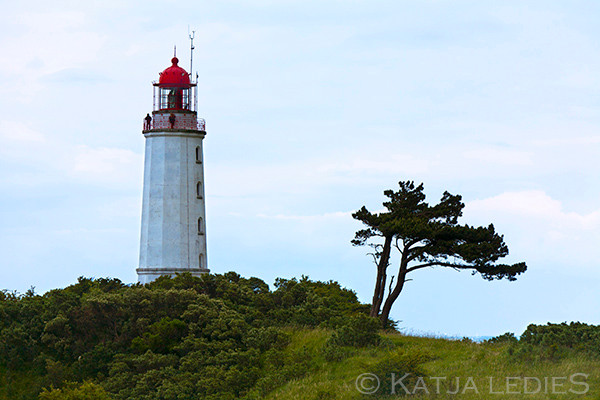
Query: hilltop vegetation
[(228, 337), (450, 369), (215, 337)]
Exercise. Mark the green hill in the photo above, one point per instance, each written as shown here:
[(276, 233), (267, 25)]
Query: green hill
[(450, 369), (228, 337)]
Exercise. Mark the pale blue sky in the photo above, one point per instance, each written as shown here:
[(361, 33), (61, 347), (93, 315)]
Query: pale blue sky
[(313, 108)]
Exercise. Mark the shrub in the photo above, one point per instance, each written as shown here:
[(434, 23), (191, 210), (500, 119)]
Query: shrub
[(399, 363), (162, 336), (266, 338), (355, 332), (507, 337), (358, 331), (211, 337), (556, 339), (86, 391), (333, 352)]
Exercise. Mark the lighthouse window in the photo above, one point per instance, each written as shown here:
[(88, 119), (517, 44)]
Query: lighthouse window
[(164, 98), (201, 262), (199, 190), (174, 98), (200, 227), (185, 101), (198, 155)]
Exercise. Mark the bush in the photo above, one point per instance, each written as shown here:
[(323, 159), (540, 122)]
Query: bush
[(86, 391), (267, 338), (399, 363), (211, 337), (162, 336), (573, 335), (555, 340), (508, 337), (281, 367), (358, 331), (333, 352)]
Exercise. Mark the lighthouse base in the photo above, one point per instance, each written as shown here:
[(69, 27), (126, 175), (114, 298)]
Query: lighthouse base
[(147, 275)]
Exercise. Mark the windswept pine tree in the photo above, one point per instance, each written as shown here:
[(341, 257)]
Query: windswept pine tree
[(426, 236)]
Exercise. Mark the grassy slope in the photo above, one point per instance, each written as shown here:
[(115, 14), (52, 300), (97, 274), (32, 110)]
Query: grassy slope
[(451, 358)]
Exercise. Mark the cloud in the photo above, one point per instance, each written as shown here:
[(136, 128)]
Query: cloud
[(19, 132), (568, 141), (535, 205), (74, 76), (306, 176), (103, 161), (45, 43), (386, 163), (500, 156), (326, 216), (539, 230), (33, 159)]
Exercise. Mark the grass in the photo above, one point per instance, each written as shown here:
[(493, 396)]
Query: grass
[(438, 357)]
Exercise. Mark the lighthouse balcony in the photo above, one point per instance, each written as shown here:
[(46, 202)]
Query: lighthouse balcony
[(174, 122)]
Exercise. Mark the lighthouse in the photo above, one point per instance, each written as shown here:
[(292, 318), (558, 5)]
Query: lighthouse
[(173, 236)]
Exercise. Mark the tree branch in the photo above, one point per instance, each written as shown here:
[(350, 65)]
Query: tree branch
[(398, 246), (375, 258), (411, 243), (417, 253), (440, 264)]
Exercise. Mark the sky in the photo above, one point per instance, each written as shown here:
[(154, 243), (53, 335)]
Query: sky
[(313, 109)]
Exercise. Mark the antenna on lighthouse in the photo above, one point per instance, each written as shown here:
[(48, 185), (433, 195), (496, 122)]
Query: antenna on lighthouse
[(191, 35), (196, 95)]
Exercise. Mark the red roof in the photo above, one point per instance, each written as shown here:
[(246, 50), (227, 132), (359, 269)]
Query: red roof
[(174, 76)]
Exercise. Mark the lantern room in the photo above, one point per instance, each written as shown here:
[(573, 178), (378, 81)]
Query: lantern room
[(174, 90)]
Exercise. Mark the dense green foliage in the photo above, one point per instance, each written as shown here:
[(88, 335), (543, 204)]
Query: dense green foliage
[(227, 337), (85, 391), (356, 332), (575, 335), (553, 342), (214, 337)]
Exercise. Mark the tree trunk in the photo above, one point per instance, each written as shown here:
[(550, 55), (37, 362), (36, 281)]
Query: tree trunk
[(381, 277), (393, 295), (378, 292)]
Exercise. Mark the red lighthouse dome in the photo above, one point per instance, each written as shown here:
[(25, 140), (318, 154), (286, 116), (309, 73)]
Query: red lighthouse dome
[(174, 76), (174, 89)]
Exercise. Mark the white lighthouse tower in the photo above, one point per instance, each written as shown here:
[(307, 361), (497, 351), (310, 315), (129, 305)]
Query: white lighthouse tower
[(173, 238)]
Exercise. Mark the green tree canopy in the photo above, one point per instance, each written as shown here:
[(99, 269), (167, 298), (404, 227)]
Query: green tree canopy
[(214, 337), (427, 236)]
